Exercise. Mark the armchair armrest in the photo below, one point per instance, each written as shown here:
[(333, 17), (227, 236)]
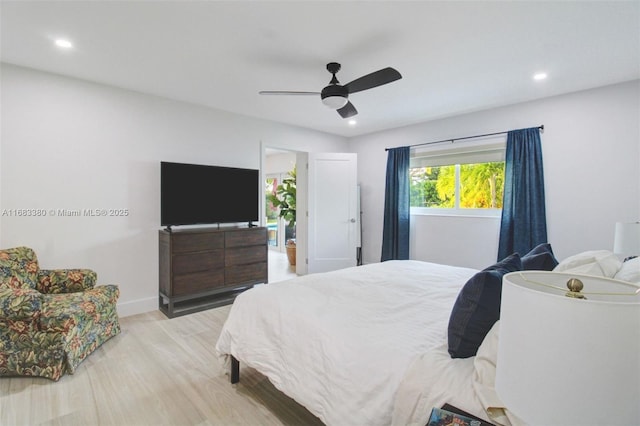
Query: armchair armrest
[(54, 281), (19, 304)]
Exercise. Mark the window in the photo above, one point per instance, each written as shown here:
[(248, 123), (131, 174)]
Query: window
[(460, 181)]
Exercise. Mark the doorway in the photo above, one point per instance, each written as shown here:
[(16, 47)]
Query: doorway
[(328, 222), (278, 166)]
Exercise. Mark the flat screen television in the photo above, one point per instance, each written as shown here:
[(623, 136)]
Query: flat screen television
[(194, 194)]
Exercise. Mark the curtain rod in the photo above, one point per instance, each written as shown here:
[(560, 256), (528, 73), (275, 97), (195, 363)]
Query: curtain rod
[(452, 140)]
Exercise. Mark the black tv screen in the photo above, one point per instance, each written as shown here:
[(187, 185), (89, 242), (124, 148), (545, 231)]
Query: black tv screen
[(192, 194)]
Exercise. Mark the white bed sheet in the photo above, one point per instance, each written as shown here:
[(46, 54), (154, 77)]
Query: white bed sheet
[(434, 378), (339, 342)]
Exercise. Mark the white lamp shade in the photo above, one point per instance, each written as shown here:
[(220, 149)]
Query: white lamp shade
[(567, 361), (627, 239)]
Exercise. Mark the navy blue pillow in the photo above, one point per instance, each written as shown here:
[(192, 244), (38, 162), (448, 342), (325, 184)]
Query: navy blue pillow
[(540, 258), (477, 307)]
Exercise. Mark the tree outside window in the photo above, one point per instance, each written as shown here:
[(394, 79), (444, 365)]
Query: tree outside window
[(458, 186)]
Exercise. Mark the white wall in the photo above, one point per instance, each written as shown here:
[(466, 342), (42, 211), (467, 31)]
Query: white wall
[(71, 144), (591, 150), (280, 163)]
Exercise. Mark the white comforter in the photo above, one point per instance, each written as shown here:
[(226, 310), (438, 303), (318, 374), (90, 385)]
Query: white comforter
[(339, 342)]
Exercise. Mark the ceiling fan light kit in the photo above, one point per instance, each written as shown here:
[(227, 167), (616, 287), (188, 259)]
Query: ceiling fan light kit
[(335, 101), (336, 96)]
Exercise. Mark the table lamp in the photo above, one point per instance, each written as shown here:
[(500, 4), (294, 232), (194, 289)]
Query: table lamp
[(627, 239), (569, 349)]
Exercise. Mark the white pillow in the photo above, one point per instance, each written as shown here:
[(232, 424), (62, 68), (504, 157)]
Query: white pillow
[(600, 263), (629, 271)]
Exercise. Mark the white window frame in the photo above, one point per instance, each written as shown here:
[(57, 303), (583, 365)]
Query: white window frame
[(484, 151)]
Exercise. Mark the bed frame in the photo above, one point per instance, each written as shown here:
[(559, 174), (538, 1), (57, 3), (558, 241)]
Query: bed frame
[(235, 370)]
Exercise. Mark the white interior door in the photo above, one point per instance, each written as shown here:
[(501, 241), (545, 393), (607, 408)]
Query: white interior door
[(333, 217)]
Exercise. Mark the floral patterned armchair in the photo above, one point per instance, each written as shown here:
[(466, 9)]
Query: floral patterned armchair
[(50, 320)]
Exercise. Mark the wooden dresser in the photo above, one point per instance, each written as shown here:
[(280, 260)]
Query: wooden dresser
[(203, 268)]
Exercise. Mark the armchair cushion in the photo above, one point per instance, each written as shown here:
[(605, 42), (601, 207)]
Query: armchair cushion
[(60, 312)]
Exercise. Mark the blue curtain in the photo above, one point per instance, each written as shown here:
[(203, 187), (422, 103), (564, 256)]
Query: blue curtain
[(524, 224), (395, 232)]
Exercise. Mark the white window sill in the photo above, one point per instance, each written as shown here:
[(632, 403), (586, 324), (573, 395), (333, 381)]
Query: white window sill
[(483, 213)]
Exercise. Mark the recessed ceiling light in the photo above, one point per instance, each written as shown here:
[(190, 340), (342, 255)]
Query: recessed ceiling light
[(540, 76), (64, 44), (352, 122)]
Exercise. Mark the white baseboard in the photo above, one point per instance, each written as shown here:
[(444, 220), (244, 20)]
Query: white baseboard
[(139, 306)]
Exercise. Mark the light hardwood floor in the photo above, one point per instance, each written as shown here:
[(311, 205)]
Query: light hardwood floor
[(279, 268), (158, 371)]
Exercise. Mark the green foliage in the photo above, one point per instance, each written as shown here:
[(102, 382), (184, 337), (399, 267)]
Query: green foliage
[(284, 198), (423, 191), (481, 186), (446, 187)]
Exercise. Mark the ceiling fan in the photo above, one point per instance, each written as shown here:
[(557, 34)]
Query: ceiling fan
[(336, 96)]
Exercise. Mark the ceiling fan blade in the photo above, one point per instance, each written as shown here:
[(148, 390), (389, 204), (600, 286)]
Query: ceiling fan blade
[(285, 92), (347, 111), (375, 79)]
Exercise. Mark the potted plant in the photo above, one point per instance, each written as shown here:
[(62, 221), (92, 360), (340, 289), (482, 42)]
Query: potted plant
[(285, 200)]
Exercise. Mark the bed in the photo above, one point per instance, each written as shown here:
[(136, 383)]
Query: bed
[(339, 343), (372, 345)]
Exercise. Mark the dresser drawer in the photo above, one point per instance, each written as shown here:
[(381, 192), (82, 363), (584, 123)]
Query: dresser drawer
[(246, 237), (196, 262), (246, 274), (197, 282), (190, 242), (245, 255)]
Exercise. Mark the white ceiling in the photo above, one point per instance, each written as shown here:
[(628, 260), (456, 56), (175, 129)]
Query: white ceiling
[(454, 56)]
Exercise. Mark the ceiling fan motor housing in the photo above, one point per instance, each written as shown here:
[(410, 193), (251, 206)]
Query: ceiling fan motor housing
[(334, 96)]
